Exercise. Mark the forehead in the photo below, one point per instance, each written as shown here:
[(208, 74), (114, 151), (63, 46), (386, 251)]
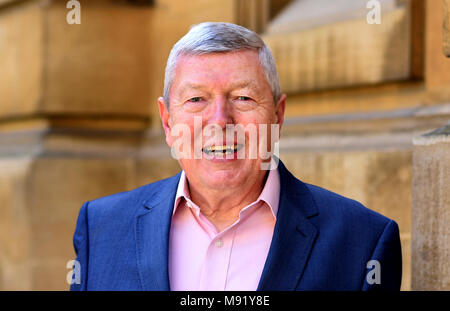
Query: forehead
[(219, 69)]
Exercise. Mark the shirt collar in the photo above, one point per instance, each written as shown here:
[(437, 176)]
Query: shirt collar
[(270, 193), (182, 191)]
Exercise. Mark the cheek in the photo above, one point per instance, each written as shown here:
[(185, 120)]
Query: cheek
[(263, 114), (262, 120), (257, 119)]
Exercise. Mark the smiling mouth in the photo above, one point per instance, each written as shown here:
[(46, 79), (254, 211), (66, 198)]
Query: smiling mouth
[(221, 150)]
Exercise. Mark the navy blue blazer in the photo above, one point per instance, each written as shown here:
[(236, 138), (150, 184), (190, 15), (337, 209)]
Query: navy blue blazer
[(321, 241)]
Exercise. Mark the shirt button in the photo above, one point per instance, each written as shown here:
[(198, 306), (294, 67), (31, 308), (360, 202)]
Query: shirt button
[(219, 243), (188, 204)]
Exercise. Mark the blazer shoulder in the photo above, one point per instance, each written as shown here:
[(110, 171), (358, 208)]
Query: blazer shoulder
[(336, 206), (128, 202)]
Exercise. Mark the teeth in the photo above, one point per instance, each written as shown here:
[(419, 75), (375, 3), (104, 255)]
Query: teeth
[(220, 149)]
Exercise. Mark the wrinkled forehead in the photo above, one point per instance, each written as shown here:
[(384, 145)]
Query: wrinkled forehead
[(236, 69)]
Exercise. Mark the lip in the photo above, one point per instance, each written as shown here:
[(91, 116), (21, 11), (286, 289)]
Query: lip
[(222, 157)]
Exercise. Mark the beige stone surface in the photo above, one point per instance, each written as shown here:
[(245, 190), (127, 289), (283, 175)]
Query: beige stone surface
[(102, 65), (4, 2), (15, 231), (253, 14), (171, 20), (42, 193), (378, 179), (431, 89), (59, 187), (405, 239), (151, 170), (431, 212), (21, 58), (110, 64), (437, 66), (347, 53), (41, 197), (446, 29), (308, 14)]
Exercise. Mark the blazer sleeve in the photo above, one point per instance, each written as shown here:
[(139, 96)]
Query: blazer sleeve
[(81, 246), (384, 270)]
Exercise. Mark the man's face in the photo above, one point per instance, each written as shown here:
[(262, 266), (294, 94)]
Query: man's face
[(220, 89)]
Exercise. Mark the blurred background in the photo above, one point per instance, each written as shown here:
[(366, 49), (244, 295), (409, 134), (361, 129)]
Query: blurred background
[(79, 119)]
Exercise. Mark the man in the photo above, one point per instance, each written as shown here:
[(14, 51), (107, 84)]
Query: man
[(226, 222)]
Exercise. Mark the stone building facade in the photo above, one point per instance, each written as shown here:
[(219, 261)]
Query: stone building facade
[(79, 120)]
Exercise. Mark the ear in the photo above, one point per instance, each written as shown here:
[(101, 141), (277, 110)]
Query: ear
[(279, 110), (165, 119)]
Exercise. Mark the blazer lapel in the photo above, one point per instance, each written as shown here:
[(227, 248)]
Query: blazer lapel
[(294, 235), (152, 236), (292, 242)]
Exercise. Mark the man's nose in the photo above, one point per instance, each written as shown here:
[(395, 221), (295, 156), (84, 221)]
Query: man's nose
[(221, 113)]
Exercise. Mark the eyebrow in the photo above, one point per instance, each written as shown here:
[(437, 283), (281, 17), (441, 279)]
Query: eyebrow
[(188, 85), (238, 85), (245, 84)]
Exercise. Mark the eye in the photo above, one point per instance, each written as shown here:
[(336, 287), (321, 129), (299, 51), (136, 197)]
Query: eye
[(195, 99), (244, 103), (245, 98), (195, 104)]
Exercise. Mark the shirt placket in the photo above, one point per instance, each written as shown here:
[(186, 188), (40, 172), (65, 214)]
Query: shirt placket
[(215, 266)]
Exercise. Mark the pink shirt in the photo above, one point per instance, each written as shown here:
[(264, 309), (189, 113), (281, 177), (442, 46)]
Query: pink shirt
[(201, 258)]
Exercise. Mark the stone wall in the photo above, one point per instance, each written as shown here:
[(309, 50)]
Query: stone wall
[(78, 117), (430, 211), (76, 106), (447, 27)]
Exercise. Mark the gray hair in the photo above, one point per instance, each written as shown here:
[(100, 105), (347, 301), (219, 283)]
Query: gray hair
[(207, 38)]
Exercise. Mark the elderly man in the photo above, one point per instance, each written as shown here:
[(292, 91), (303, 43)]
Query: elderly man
[(227, 221)]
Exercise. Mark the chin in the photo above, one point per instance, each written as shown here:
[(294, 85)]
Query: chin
[(221, 178)]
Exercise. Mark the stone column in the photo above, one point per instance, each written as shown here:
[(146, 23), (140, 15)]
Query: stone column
[(74, 106), (447, 27), (431, 211)]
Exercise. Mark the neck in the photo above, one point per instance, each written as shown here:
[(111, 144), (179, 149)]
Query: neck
[(222, 206)]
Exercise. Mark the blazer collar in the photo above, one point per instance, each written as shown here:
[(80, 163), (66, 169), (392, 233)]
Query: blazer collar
[(152, 229), (292, 241), (293, 238)]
